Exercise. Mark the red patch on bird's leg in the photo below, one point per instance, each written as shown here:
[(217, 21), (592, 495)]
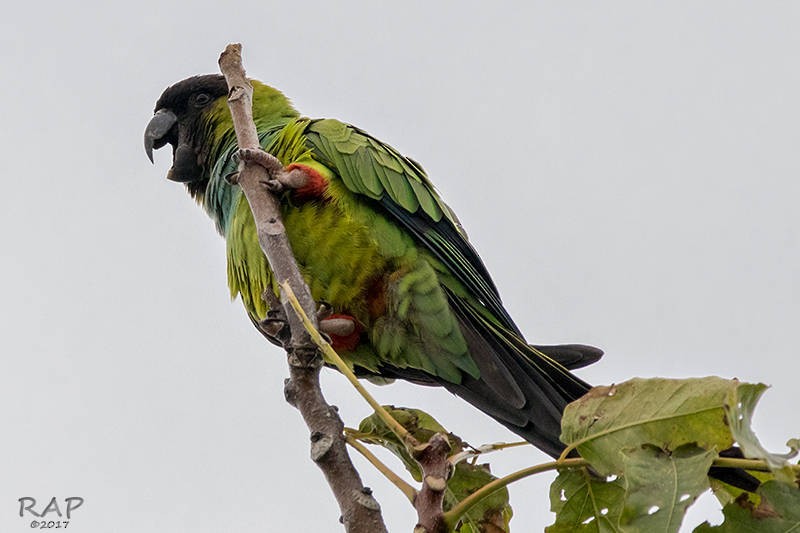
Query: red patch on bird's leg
[(345, 343), (316, 185)]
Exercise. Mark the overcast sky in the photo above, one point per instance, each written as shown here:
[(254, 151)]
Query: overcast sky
[(627, 170)]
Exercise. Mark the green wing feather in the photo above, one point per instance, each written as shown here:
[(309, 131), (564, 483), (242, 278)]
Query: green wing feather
[(402, 190)]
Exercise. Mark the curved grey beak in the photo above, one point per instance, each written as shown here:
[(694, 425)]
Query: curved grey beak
[(159, 126)]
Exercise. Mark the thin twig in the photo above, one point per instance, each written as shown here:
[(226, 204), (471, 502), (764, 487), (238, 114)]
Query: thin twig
[(758, 465), (360, 513), (484, 449), (406, 488), (497, 446), (452, 516)]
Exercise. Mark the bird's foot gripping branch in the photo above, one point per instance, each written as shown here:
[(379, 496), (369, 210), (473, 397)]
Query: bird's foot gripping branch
[(279, 178)]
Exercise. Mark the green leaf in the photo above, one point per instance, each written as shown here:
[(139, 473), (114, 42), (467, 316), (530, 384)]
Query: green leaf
[(584, 503), (666, 413), (659, 487), (419, 423), (491, 515), (739, 409), (740, 414), (778, 511), (652, 495)]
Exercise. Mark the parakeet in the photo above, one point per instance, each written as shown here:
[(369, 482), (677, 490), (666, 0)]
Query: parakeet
[(409, 297)]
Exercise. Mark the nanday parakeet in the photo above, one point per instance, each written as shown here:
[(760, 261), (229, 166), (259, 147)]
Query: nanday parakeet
[(377, 244)]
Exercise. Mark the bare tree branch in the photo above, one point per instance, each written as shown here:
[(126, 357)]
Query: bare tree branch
[(432, 457), (360, 512)]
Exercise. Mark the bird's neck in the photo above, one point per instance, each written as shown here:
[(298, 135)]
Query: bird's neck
[(282, 138), (272, 111)]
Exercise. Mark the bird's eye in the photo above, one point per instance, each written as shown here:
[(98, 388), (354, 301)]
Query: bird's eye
[(201, 99)]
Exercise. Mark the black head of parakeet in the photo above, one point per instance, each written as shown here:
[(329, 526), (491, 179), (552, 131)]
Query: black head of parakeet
[(177, 121)]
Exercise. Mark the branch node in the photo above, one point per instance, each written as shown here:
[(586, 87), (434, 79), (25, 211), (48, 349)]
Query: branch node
[(236, 93), (272, 227), (432, 458), (320, 445), (437, 445), (435, 483), (366, 500), (290, 392), (304, 356)]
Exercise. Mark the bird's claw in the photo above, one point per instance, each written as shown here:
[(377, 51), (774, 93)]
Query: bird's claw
[(275, 326), (276, 329), (262, 158), (324, 310), (273, 186), (273, 304)]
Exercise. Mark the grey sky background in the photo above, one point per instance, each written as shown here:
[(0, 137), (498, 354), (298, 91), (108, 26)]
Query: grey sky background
[(628, 171)]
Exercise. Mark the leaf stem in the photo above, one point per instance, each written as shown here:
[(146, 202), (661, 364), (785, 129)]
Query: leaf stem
[(567, 450), (452, 516), (483, 449), (747, 464), (409, 491)]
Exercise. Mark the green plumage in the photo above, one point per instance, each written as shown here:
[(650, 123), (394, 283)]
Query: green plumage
[(377, 244), (345, 248)]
